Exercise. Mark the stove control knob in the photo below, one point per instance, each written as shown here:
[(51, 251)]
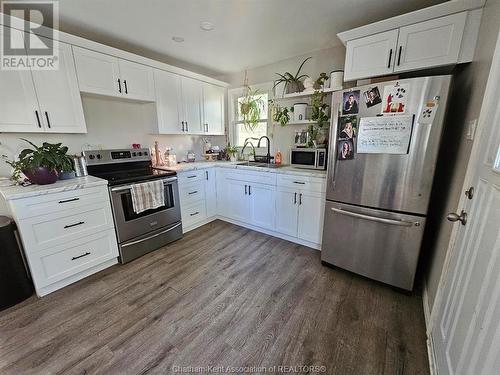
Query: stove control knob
[(139, 153), (134, 154), (99, 156), (145, 153), (91, 157)]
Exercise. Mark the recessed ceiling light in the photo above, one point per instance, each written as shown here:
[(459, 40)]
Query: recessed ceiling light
[(206, 26), (178, 39)]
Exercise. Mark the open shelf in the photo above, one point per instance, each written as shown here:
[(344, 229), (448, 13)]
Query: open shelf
[(303, 94)]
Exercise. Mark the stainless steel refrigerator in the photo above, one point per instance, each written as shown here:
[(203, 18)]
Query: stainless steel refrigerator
[(383, 149)]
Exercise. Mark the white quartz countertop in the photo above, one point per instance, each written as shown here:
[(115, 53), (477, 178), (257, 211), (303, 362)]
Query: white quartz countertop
[(184, 167), (19, 192)]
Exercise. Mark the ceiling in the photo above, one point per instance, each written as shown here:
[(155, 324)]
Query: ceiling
[(247, 33)]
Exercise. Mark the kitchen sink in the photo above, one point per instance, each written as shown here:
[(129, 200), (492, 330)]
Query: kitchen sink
[(258, 164)]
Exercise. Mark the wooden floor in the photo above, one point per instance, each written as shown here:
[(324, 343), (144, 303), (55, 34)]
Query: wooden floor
[(221, 296)]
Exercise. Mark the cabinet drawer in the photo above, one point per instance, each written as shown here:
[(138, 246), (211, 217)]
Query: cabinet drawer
[(191, 176), (50, 230), (192, 192), (67, 200), (302, 182), (54, 264), (193, 214), (267, 178)]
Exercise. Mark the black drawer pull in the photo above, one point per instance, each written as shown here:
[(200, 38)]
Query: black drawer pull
[(74, 225), (194, 214), (69, 200), (191, 176), (80, 256), (192, 192), (299, 182)]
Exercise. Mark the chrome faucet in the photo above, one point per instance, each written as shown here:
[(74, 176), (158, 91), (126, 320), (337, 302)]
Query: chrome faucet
[(246, 143), (268, 156)]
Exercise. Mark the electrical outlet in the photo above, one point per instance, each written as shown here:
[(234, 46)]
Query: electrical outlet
[(471, 129)]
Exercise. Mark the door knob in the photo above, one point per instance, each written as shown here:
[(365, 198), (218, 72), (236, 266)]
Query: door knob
[(454, 217), (470, 192)]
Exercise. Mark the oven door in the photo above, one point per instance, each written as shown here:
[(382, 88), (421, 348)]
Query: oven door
[(303, 158), (130, 225)]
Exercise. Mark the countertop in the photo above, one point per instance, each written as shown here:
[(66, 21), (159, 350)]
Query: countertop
[(18, 192), (184, 167)]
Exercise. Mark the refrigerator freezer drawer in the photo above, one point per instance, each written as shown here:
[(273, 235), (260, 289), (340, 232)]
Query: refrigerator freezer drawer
[(381, 245)]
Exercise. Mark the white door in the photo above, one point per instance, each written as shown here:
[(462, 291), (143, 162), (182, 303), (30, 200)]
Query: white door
[(237, 201), (168, 102), (211, 192), (18, 102), (370, 56), (466, 320), (262, 205), (97, 73), (213, 109), (431, 43), (192, 103), (59, 96), (311, 213), (137, 81), (287, 210)]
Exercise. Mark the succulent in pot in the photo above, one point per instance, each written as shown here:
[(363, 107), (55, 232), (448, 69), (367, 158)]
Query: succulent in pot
[(41, 164)]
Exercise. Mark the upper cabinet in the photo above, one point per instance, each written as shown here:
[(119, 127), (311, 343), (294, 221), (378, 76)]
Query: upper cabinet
[(39, 101), (213, 109), (103, 74), (168, 102), (191, 108), (422, 45)]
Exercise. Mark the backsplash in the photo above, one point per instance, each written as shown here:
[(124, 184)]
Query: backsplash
[(110, 124)]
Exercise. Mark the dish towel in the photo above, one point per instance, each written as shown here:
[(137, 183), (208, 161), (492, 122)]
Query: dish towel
[(148, 196)]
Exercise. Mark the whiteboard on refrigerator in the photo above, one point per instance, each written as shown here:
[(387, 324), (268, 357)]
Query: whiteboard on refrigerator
[(384, 135)]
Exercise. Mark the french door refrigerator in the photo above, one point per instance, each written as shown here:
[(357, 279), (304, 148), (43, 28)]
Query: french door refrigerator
[(383, 148)]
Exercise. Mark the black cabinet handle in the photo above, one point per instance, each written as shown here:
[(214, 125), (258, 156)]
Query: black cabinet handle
[(192, 192), (390, 58), (399, 54), (295, 198), (38, 119), (249, 190), (246, 189), (70, 200), (126, 88), (74, 225), (194, 214), (182, 125), (206, 174), (80, 256), (47, 117), (299, 182), (187, 127), (119, 86), (300, 199), (193, 176)]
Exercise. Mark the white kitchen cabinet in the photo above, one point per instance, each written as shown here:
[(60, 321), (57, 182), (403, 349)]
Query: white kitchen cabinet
[(432, 43), (168, 102), (191, 91), (211, 191), (58, 95), (236, 202), (311, 213), (138, 82), (262, 205), (373, 55), (98, 73), (287, 211), (107, 75), (213, 109)]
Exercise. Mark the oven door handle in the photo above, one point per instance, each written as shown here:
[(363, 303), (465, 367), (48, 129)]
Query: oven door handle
[(128, 187), (153, 236)]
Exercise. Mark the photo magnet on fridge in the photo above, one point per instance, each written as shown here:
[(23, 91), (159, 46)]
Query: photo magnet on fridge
[(395, 98), (345, 149), (350, 102), (429, 112), (348, 127), (372, 97)]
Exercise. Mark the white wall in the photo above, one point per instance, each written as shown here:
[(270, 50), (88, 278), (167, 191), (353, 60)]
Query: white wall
[(110, 124)]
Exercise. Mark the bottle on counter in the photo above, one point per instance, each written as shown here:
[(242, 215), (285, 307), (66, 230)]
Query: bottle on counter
[(277, 158)]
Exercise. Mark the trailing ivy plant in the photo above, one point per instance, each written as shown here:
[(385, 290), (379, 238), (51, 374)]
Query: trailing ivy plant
[(319, 115), (251, 107)]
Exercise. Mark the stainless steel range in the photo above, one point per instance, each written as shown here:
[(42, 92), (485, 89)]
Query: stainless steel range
[(138, 233)]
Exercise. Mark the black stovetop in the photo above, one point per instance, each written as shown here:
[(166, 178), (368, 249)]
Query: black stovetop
[(123, 173)]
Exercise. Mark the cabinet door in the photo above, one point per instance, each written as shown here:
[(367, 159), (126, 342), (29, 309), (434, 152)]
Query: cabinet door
[(213, 109), (18, 101), (97, 73), (262, 205), (237, 202), (287, 209), (311, 213), (59, 96), (431, 43), (168, 102), (192, 102), (211, 192), (370, 56), (137, 81)]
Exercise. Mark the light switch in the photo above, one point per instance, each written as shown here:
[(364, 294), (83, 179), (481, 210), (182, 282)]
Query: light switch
[(471, 129)]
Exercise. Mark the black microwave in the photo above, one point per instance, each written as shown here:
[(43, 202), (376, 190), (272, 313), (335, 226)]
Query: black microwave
[(312, 158)]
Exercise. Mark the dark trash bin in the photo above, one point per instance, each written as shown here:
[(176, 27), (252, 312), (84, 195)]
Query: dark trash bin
[(15, 284)]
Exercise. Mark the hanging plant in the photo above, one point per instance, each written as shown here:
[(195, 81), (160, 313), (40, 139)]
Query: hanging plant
[(251, 106)]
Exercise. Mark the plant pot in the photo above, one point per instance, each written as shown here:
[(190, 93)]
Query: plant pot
[(42, 175), (244, 108), (67, 175), (296, 86), (233, 158)]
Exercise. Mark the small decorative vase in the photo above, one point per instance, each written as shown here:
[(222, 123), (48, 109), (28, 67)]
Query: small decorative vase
[(42, 175), (233, 158)]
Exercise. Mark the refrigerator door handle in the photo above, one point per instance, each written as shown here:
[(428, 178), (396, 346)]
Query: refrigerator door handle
[(333, 135), (402, 223)]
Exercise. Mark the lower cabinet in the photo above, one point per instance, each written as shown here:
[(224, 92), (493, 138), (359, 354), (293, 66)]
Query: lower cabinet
[(262, 205)]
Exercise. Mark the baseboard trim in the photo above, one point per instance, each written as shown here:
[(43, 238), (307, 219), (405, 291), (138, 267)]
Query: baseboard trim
[(428, 330), (430, 354)]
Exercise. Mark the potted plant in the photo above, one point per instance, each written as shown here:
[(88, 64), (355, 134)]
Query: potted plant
[(41, 165), (251, 107), (279, 114), (320, 81), (292, 83), (231, 151), (320, 115)]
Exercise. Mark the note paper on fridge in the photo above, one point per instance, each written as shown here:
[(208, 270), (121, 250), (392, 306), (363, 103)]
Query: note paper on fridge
[(384, 135)]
